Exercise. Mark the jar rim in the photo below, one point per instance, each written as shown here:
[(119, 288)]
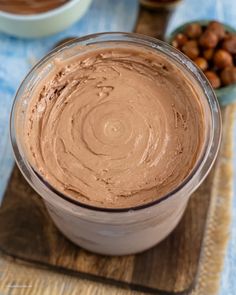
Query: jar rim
[(200, 169)]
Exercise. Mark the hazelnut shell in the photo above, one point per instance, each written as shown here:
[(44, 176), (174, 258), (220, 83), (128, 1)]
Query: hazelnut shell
[(193, 30), (228, 75), (201, 63), (179, 40), (191, 49), (208, 53), (229, 44), (217, 28), (213, 79), (222, 59), (208, 39)]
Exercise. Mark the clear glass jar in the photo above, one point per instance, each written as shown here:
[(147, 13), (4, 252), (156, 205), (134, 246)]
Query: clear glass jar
[(117, 231)]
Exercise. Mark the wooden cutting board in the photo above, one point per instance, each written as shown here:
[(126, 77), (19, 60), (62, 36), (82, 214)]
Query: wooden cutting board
[(27, 233)]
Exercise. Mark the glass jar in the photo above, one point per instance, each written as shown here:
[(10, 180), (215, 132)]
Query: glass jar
[(127, 230)]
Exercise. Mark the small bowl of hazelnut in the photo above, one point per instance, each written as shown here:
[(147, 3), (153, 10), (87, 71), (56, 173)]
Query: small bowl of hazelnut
[(212, 46)]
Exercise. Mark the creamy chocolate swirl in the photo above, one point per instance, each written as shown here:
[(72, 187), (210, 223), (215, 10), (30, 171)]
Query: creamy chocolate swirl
[(29, 6), (115, 127)]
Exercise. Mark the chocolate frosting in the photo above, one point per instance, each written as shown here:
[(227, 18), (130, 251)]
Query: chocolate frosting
[(115, 127), (29, 6)]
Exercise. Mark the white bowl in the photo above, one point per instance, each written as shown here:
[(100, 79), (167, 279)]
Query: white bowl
[(42, 24)]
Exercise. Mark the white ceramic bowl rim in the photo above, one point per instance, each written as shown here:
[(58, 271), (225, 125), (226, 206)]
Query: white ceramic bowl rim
[(40, 16)]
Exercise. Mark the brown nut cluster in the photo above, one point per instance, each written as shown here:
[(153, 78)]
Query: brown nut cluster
[(228, 75), (213, 79), (222, 59), (208, 39), (191, 49), (212, 48), (229, 44), (201, 63)]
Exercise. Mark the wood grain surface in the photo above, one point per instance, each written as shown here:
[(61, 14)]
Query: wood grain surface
[(28, 235)]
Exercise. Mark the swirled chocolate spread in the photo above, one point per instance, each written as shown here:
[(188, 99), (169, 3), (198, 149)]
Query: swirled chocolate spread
[(29, 6), (115, 127)]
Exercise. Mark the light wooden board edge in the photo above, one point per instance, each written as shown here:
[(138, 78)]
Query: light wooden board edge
[(220, 213)]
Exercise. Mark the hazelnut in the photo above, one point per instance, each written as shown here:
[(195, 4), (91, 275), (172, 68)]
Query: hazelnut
[(213, 79), (229, 44), (179, 40), (228, 75), (201, 63), (193, 31), (175, 44), (217, 28), (208, 39), (227, 36), (222, 59), (208, 53), (191, 49)]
